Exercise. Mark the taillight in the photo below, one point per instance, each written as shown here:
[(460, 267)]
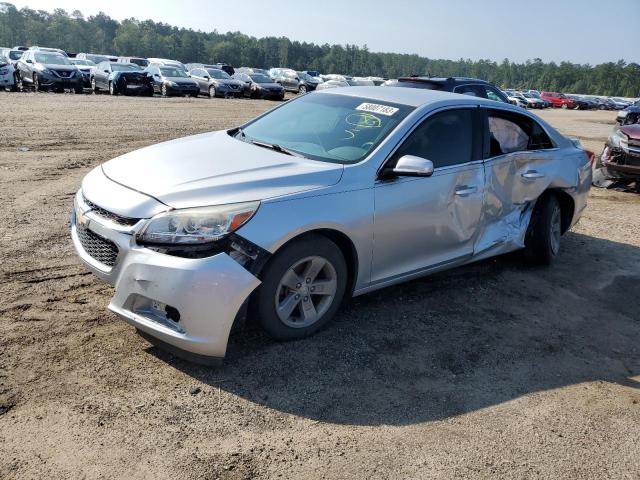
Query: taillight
[(590, 155)]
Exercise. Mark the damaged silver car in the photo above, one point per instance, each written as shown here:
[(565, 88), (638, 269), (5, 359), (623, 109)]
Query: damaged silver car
[(335, 193)]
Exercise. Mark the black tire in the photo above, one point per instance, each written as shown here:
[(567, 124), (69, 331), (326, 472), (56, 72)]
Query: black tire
[(264, 302), (112, 89), (36, 83), (302, 89), (16, 81), (212, 91), (164, 91), (78, 90), (542, 241)]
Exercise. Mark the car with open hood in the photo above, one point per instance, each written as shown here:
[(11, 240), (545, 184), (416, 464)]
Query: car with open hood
[(43, 71), (121, 78), (332, 194)]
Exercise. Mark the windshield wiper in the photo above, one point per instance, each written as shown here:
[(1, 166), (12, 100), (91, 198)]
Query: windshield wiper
[(276, 147)]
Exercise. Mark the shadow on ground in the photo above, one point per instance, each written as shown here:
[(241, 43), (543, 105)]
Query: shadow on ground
[(452, 343)]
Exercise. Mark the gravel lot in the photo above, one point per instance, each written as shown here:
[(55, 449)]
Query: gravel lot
[(494, 370)]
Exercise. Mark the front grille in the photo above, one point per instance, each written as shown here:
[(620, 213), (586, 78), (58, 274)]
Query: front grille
[(112, 217), (97, 247)]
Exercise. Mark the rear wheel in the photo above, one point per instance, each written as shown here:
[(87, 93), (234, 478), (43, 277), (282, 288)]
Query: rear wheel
[(302, 288), (545, 230)]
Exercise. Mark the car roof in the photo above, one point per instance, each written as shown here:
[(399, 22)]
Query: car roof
[(442, 80), (414, 97)]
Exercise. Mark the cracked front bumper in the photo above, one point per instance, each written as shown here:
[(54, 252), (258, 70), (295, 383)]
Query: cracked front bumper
[(152, 290)]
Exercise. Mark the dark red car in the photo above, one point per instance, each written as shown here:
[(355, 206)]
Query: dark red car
[(558, 100)]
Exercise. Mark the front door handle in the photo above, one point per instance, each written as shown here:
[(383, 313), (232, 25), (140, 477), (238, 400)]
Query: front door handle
[(532, 175), (464, 190)]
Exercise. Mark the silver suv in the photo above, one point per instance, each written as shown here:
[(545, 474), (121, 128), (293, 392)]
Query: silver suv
[(335, 193)]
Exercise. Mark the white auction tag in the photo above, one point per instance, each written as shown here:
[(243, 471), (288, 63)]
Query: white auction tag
[(377, 108)]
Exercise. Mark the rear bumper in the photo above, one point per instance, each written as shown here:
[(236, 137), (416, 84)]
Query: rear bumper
[(188, 304)]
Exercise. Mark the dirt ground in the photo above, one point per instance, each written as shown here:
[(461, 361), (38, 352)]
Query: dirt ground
[(494, 370)]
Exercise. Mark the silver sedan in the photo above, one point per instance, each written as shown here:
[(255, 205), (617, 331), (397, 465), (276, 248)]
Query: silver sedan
[(335, 193)]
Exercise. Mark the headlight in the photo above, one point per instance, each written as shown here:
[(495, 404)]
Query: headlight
[(618, 140), (197, 225), (171, 84), (46, 71)]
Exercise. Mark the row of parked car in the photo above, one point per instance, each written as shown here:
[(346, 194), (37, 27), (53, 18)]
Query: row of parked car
[(42, 68), (536, 99)]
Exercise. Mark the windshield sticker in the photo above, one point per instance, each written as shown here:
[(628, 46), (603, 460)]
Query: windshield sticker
[(377, 108)]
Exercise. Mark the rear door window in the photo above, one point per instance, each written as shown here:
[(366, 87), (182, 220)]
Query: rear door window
[(511, 132)]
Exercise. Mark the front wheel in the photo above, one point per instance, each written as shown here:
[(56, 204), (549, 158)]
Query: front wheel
[(36, 82), (302, 89), (112, 89), (94, 87), (164, 91), (545, 230), (302, 288), (212, 92)]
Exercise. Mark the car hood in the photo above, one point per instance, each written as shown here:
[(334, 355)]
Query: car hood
[(631, 131), (60, 68), (215, 169)]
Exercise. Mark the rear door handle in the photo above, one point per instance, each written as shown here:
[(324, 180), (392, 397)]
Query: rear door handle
[(532, 175), (464, 190)]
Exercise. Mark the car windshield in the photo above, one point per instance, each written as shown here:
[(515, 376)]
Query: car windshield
[(259, 78), (124, 67), (173, 72), (327, 127), (219, 74), (15, 55), (305, 77), (88, 63), (52, 59)]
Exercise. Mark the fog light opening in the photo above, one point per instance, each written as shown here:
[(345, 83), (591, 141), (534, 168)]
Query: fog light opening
[(172, 313)]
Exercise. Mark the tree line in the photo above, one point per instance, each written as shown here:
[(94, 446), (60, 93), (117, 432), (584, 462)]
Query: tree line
[(100, 33)]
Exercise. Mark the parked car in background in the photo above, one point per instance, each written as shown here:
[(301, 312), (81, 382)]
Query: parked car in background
[(36, 48), (315, 75), (360, 82), (8, 76), (536, 94), (42, 70), (307, 83), (278, 213), (581, 103), (286, 77), (11, 55), (558, 100), (96, 57), (533, 101), (620, 158), (172, 80), (141, 62), (87, 68), (258, 85), (216, 83), (165, 62), (251, 70), (121, 78), (515, 99), (464, 85), (328, 84)]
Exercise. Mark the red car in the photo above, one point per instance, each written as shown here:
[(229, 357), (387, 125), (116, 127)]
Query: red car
[(558, 100)]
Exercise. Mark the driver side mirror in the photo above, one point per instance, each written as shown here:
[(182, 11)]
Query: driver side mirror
[(412, 166), (106, 71), (29, 61)]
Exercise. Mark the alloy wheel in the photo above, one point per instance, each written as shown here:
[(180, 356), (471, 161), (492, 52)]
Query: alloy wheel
[(212, 91), (306, 291)]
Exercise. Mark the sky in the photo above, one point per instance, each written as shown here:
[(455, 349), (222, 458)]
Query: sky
[(580, 31)]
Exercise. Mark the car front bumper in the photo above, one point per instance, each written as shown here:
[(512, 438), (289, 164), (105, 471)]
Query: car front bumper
[(188, 304), (183, 89), (61, 82)]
